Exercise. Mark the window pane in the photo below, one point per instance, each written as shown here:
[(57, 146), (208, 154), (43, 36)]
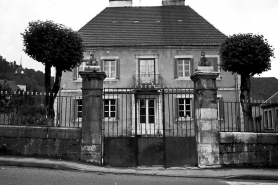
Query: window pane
[(113, 108), (151, 119), (106, 108), (151, 111), (142, 119), (79, 114), (113, 114)]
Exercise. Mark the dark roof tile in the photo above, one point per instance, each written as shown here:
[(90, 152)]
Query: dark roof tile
[(163, 25)]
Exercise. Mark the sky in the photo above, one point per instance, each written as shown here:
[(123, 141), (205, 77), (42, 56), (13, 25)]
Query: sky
[(228, 16)]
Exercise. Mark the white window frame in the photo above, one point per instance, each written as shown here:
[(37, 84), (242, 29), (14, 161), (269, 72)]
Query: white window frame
[(109, 107), (147, 102), (139, 57), (110, 58), (184, 106), (77, 119), (179, 57), (184, 96), (110, 68), (111, 96)]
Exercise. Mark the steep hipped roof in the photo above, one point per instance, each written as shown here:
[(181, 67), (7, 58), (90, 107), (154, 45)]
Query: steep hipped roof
[(161, 26), (263, 88)]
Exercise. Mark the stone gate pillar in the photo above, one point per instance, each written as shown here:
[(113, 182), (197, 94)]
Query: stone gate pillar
[(205, 95), (91, 144)]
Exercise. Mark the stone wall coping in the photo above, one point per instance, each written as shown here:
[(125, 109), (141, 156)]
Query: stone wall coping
[(245, 137), (11, 131)]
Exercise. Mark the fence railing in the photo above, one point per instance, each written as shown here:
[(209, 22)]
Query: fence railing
[(143, 112), (264, 117), (28, 109)]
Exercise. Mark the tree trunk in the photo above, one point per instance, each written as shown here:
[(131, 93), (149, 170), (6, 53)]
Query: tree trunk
[(48, 94), (245, 101), (54, 92)]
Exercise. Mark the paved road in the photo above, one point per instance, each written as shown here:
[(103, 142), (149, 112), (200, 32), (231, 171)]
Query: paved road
[(34, 176)]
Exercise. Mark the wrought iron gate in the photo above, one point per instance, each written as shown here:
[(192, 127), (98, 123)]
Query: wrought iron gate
[(146, 127)]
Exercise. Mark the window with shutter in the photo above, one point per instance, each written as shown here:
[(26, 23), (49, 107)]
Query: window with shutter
[(184, 106), (111, 66), (183, 67), (110, 108)]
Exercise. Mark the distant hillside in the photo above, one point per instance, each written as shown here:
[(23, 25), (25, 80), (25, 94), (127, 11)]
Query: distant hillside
[(34, 81)]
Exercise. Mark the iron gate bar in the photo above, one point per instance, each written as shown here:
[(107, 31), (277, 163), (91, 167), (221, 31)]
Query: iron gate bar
[(164, 130)]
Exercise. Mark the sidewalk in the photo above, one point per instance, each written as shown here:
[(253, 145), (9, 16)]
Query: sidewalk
[(190, 172)]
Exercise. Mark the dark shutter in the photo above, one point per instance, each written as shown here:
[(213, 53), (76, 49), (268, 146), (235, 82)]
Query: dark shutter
[(117, 108), (192, 66), (74, 73), (175, 66), (177, 108), (221, 107), (118, 69)]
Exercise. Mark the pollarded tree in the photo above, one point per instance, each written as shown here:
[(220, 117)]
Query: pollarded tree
[(54, 45), (246, 55)]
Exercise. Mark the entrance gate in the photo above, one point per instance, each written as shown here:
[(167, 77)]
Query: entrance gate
[(147, 127)]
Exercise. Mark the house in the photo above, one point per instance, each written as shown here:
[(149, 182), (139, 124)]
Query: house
[(149, 48), (264, 103), (263, 100)]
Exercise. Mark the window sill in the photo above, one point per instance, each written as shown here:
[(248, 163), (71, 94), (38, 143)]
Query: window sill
[(183, 78), (109, 119), (110, 79), (184, 119), (78, 80)]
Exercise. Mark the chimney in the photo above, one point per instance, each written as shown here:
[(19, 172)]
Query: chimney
[(120, 3), (173, 2)]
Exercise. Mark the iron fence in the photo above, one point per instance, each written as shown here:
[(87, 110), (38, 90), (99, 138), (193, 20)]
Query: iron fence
[(28, 109), (264, 117), (148, 112)]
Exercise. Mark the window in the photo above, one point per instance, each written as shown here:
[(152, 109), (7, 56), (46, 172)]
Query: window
[(270, 119), (265, 119), (110, 108), (147, 111), (183, 67), (109, 67), (184, 107), (79, 108)]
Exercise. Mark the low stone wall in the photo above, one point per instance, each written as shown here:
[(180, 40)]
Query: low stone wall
[(248, 148), (51, 142)]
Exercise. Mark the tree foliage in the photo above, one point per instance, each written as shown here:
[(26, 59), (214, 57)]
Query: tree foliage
[(54, 45), (34, 80), (246, 54)]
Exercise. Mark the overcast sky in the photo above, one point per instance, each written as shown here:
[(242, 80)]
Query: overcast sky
[(229, 16)]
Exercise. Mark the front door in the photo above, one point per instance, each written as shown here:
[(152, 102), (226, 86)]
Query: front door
[(146, 117), (147, 71)]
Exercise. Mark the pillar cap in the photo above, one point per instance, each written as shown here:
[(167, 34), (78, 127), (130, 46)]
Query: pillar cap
[(204, 75), (91, 75)]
